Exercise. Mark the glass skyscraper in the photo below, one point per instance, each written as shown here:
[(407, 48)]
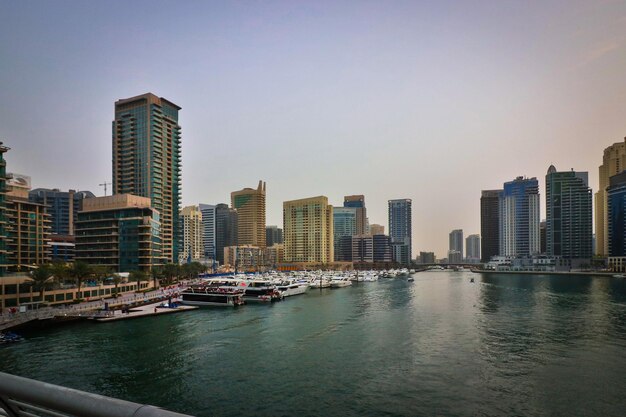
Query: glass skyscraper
[(400, 230), (344, 226), (568, 214), (519, 218), (146, 160)]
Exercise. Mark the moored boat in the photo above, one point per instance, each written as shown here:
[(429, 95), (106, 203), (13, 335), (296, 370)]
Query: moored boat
[(214, 292)]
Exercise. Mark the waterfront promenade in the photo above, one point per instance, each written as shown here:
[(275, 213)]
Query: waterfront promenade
[(90, 308)]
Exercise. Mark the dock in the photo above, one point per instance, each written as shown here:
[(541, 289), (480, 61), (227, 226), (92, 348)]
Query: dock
[(142, 311)]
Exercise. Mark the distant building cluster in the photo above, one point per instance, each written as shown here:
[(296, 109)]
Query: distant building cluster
[(142, 224)]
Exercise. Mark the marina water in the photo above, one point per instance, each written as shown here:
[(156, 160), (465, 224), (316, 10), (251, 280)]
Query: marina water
[(503, 345)]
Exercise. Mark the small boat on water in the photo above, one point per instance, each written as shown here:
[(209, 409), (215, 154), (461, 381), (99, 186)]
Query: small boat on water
[(10, 337), (619, 276), (410, 279), (472, 279)]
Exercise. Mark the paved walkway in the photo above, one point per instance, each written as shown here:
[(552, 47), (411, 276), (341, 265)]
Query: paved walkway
[(87, 308)]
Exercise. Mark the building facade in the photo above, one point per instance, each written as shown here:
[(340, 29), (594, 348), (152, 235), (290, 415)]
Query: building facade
[(456, 241), (308, 230), (193, 247), (344, 227), (226, 224), (273, 235), (357, 202), (569, 218), (61, 206), (427, 257), (613, 163), (120, 232), (244, 257), (377, 229), (472, 244), (400, 229), (3, 210), (616, 216), (382, 248), (490, 224), (27, 227), (362, 248), (209, 247), (147, 160), (519, 218), (250, 206)]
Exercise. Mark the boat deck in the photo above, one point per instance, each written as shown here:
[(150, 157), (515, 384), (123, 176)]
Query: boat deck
[(143, 311)]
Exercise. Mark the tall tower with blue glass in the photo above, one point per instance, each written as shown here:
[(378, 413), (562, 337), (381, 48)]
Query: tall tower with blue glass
[(146, 160), (400, 230), (519, 218)]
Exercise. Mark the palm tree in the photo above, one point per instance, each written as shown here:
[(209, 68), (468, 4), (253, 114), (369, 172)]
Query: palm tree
[(60, 270), (117, 280), (138, 276), (80, 271), (157, 274), (40, 277)]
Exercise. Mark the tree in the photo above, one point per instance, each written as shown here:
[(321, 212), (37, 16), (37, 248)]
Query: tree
[(117, 280), (171, 272), (101, 272), (138, 276), (40, 277), (157, 274), (80, 271), (61, 271)]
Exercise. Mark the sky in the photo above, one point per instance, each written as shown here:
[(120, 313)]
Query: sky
[(433, 101)]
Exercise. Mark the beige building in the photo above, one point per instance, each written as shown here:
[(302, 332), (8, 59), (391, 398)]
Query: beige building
[(377, 229), (358, 202), (27, 227), (308, 230), (613, 162), (192, 235), (250, 206), (275, 255), (244, 257)]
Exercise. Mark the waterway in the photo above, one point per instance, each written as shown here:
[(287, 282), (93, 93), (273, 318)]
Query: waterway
[(440, 346)]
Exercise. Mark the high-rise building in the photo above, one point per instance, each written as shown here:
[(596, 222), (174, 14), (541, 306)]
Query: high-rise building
[(519, 218), (121, 232), (472, 244), (543, 237), (613, 163), (400, 230), (490, 224), (427, 257), (308, 230), (226, 225), (193, 248), (456, 241), (273, 235), (275, 255), (568, 214), (616, 216), (382, 248), (377, 229), (358, 202), (3, 210), (27, 227), (209, 247), (250, 206), (344, 226), (244, 257), (455, 257), (147, 160), (362, 248), (61, 206)]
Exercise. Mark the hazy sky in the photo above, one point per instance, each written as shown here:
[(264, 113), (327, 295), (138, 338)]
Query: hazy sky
[(433, 101)]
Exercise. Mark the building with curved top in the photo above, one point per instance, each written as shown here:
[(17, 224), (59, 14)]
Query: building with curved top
[(250, 206)]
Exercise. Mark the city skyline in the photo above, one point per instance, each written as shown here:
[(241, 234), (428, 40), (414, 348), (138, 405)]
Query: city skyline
[(420, 106)]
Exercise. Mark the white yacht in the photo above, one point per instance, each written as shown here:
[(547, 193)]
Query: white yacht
[(260, 290), (292, 287), (339, 282)]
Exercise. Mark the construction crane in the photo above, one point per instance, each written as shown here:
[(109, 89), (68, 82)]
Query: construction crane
[(104, 184)]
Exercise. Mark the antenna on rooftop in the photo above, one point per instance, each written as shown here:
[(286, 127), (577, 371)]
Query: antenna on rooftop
[(104, 184)]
